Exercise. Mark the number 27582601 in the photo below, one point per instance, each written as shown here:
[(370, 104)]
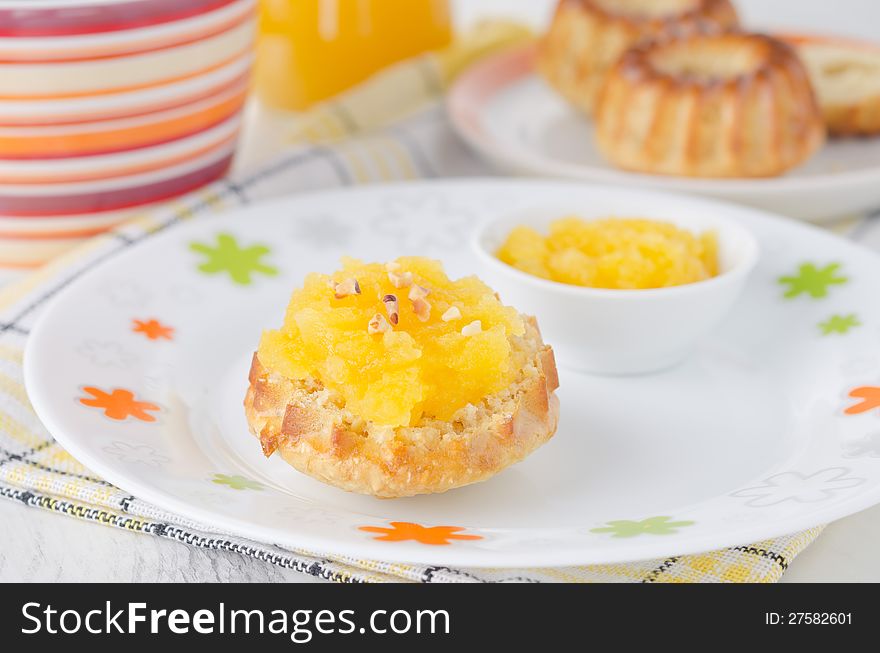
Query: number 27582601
[(808, 618)]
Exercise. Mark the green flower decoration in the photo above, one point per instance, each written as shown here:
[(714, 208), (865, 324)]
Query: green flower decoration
[(228, 256), (839, 324), (813, 281), (651, 526), (237, 482)]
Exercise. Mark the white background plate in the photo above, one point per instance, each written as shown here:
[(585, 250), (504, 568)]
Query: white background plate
[(746, 440), (508, 114)]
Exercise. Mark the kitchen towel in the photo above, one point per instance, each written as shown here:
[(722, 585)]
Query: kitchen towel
[(326, 150)]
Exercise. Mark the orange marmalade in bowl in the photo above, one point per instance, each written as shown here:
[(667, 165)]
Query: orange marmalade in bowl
[(397, 341), (618, 253)]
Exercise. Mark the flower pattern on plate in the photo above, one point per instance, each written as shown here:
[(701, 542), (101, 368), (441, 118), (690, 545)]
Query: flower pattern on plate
[(240, 263), (153, 329), (812, 281), (119, 404), (401, 531), (661, 525), (798, 487), (867, 447), (237, 482), (841, 324), (440, 225), (127, 294), (870, 399), (128, 452)]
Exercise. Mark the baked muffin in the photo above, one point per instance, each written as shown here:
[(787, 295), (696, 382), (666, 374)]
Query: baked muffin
[(709, 105), (587, 37), (846, 77), (395, 380)]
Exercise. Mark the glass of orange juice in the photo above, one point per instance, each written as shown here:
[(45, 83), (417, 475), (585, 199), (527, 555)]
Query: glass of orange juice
[(309, 50)]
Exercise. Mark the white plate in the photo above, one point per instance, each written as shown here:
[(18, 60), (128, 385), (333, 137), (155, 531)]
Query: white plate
[(747, 440), (507, 113)]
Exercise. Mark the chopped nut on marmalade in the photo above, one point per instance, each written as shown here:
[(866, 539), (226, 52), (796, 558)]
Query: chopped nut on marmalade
[(397, 360)]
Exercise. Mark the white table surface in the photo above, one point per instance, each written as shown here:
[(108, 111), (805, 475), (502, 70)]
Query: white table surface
[(39, 546)]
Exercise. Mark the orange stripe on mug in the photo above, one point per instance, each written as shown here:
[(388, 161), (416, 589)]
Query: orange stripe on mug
[(58, 235), (19, 265), (118, 140), (100, 174)]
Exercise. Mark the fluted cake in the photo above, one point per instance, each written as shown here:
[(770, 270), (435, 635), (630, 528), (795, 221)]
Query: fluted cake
[(587, 37), (709, 105), (846, 76)]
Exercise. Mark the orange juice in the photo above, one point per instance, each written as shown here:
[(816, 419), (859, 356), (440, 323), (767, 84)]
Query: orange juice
[(310, 50)]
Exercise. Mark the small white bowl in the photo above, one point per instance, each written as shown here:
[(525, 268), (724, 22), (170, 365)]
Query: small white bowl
[(620, 332)]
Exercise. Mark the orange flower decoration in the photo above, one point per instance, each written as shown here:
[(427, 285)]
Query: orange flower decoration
[(119, 404), (870, 396), (402, 531), (153, 329)]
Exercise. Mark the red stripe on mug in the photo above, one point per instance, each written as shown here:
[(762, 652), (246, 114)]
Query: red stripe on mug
[(87, 18), (35, 206), (119, 51)]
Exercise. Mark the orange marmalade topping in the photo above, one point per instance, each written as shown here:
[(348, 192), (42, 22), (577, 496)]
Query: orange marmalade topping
[(399, 342), (613, 253)]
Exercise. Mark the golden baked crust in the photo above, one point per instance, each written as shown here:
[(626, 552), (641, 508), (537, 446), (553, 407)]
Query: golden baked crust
[(309, 428), (846, 76), (587, 37), (709, 105)]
